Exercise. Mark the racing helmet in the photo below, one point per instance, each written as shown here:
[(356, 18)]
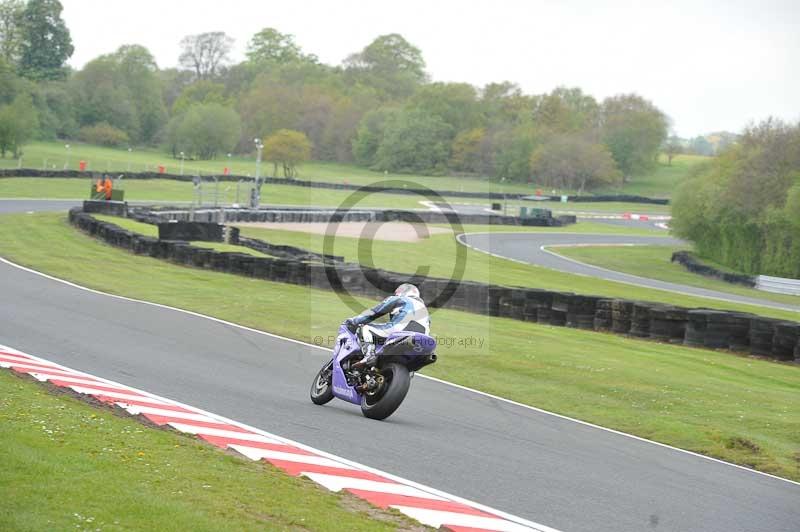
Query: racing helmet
[(408, 290)]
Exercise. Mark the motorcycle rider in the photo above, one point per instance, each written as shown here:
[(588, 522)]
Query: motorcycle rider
[(407, 312)]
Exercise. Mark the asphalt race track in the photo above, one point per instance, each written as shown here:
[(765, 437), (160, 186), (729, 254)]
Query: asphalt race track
[(527, 247), (23, 205), (541, 467)]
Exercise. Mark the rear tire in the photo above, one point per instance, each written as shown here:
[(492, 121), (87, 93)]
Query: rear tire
[(322, 387), (391, 397)]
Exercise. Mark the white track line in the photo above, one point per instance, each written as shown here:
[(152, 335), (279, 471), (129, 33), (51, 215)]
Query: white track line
[(420, 375), (441, 517), (255, 453), (337, 483)]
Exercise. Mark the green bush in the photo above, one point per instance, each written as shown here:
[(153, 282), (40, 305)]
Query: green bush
[(744, 209), (103, 134)]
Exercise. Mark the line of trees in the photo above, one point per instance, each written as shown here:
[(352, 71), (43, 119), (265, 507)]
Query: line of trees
[(742, 209), (378, 108)]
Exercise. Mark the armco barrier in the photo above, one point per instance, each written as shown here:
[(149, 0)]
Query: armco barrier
[(31, 172), (706, 328), (779, 285)]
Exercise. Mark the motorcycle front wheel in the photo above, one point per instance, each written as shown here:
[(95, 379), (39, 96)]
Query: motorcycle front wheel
[(390, 394), (322, 387)]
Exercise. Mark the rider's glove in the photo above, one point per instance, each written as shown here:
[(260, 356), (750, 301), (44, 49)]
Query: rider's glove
[(351, 325)]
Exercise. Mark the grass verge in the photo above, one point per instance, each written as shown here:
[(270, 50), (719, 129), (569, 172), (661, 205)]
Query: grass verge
[(68, 465), (654, 262), (705, 401)]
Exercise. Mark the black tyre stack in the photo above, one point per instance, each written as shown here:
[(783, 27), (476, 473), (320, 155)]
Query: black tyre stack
[(581, 311), (668, 323), (640, 320), (602, 316), (762, 332), (739, 329), (696, 323), (717, 330), (621, 314), (785, 340), (544, 307), (560, 307)]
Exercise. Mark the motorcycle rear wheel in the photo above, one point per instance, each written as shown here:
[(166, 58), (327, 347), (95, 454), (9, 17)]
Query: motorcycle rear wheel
[(322, 387), (394, 390)]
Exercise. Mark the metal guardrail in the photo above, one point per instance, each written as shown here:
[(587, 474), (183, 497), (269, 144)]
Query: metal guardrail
[(779, 285)]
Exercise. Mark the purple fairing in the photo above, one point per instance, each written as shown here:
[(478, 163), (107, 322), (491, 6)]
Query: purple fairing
[(411, 352)]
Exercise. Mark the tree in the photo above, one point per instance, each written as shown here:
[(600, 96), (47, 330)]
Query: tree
[(742, 209), (201, 91), (370, 134), (11, 30), (503, 105), (455, 103), (45, 42), (269, 46), (104, 135), (288, 149), (570, 162), (55, 106), (633, 129), (414, 142), (700, 146), (566, 111), (205, 53), (512, 149), (172, 82), (672, 148), (101, 97), (18, 123), (122, 89), (467, 151), (136, 69), (204, 131), (391, 64)]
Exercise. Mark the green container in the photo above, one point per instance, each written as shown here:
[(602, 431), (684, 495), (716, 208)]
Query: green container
[(116, 195)]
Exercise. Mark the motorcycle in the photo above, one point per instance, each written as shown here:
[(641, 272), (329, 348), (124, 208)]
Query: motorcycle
[(379, 389)]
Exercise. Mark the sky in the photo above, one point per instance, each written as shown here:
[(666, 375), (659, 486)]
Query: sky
[(709, 65)]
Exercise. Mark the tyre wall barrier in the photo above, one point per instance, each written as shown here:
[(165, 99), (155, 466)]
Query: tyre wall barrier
[(712, 329), (690, 262), (155, 216), (201, 231), (32, 172), (114, 208)]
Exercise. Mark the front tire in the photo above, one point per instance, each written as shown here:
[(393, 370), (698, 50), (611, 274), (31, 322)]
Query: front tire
[(393, 392), (322, 387)]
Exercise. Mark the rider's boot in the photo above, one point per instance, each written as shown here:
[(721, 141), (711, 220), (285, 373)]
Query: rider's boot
[(369, 356)]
